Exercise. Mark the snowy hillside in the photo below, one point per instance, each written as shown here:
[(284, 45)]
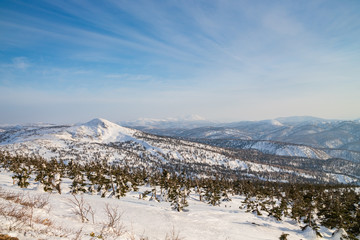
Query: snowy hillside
[(100, 139), (55, 216)]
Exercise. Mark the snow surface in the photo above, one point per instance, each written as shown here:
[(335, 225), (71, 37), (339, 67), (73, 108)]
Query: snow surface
[(145, 218)]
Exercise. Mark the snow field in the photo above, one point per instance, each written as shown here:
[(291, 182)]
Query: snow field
[(148, 219)]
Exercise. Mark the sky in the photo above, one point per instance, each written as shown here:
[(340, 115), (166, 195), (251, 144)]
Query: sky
[(223, 60)]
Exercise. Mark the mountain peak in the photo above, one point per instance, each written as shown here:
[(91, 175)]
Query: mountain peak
[(96, 122), (99, 129), (275, 122)]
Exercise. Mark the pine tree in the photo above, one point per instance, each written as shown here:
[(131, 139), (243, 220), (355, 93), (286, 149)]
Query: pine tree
[(213, 193), (76, 173), (177, 194), (21, 173)]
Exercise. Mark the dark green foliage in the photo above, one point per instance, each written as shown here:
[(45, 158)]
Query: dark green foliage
[(212, 192), (119, 179), (76, 173), (21, 171), (283, 236), (177, 193)]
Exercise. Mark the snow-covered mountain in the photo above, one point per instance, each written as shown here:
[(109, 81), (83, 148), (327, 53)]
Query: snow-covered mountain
[(329, 138), (311, 131), (100, 139), (97, 130)]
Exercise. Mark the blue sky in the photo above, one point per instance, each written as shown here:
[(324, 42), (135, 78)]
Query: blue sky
[(70, 61)]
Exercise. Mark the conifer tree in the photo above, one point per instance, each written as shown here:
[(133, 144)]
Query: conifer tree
[(21, 172), (213, 192), (177, 194), (76, 173)]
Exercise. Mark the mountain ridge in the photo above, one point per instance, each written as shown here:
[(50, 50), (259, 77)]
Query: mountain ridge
[(318, 133), (100, 139)]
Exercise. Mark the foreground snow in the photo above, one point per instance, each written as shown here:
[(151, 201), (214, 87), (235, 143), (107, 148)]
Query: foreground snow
[(144, 218)]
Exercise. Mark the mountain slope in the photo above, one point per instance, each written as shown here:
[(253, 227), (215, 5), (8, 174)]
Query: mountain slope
[(97, 130), (100, 139), (270, 147)]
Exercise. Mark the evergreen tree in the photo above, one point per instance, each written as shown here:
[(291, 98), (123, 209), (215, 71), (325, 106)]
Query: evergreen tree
[(21, 172), (76, 173), (212, 192)]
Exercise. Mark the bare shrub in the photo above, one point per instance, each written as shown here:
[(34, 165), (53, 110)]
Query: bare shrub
[(26, 200), (41, 201), (15, 215), (18, 210), (78, 235), (60, 231), (113, 223), (43, 221), (2, 192), (113, 214), (80, 207), (37, 201), (131, 236), (92, 213), (16, 197), (173, 235), (29, 202), (9, 196)]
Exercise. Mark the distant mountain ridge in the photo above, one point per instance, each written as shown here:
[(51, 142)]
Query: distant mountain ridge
[(187, 122), (284, 149), (294, 119), (335, 138), (271, 147), (99, 140)]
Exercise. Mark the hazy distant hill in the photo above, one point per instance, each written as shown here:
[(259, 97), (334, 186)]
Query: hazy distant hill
[(324, 135)]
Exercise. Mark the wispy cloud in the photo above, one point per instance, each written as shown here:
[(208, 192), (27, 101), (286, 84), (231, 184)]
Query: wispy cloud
[(196, 53), (17, 63), (20, 63)]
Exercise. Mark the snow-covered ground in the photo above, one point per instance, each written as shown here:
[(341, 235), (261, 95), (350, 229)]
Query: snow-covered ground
[(144, 219)]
